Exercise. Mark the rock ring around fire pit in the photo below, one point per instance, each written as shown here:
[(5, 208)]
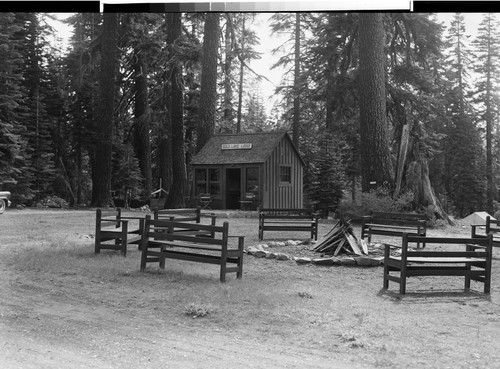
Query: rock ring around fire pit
[(303, 252)]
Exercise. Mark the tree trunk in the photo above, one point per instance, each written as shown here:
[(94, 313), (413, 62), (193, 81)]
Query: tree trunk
[(142, 143), (330, 85), (418, 181), (228, 89), (296, 85), (175, 198), (101, 178), (376, 161), (489, 124), (208, 93), (242, 74), (402, 155), (164, 157)]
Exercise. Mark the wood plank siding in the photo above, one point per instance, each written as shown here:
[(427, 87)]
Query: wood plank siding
[(278, 194)]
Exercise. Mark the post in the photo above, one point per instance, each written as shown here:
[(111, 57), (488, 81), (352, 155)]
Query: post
[(98, 216), (223, 262), (144, 241)]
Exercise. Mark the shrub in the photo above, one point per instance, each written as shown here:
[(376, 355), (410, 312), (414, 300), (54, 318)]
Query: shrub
[(197, 310), (380, 200), (54, 202)]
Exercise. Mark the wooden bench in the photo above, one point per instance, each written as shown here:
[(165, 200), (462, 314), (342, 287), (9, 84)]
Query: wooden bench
[(183, 215), (165, 239), (492, 226), (474, 263), (186, 215), (304, 220), (112, 226), (393, 224)]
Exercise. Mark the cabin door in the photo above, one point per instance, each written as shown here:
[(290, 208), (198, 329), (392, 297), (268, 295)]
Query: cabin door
[(233, 188)]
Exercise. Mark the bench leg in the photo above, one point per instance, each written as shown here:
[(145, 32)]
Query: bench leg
[(467, 277), (124, 245), (487, 276), (387, 253), (239, 273), (223, 267), (223, 271), (402, 286), (402, 281), (97, 248), (144, 256), (162, 259), (487, 284)]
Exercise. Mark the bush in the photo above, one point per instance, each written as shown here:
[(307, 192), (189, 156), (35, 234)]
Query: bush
[(380, 200), (54, 202)]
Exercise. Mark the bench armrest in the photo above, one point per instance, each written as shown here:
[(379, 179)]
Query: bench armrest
[(113, 220), (477, 225), (386, 245), (137, 218), (474, 246)]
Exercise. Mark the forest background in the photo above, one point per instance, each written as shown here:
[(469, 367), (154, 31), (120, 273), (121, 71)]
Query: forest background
[(137, 95)]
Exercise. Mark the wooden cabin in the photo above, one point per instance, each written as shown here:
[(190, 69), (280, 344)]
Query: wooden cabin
[(243, 171)]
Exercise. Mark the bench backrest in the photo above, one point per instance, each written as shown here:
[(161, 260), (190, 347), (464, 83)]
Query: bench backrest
[(108, 217), (398, 216), (180, 215), (397, 219), (492, 225), (475, 247), (168, 230), (270, 213)]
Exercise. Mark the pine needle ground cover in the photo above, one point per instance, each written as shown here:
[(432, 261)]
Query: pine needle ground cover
[(62, 306)]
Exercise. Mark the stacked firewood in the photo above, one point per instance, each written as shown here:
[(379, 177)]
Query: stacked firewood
[(341, 239)]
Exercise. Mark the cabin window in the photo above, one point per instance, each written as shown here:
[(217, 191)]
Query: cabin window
[(214, 181), (252, 177), (285, 174), (207, 181), (200, 177)]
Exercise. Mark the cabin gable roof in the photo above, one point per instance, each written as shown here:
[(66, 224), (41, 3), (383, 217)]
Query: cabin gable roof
[(247, 148)]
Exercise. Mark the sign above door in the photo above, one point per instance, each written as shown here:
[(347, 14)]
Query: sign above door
[(237, 146)]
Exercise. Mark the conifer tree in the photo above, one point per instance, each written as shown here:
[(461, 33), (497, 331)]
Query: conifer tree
[(40, 171), (486, 93), (101, 175), (464, 177), (376, 161), (11, 95), (126, 180)]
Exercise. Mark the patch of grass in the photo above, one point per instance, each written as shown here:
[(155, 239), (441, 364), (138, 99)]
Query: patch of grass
[(198, 310), (305, 295), (351, 339)]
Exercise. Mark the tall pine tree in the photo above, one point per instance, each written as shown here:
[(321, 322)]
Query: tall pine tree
[(486, 93)]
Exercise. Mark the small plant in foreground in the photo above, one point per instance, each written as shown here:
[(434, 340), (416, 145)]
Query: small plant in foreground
[(351, 339), (197, 310), (305, 295)]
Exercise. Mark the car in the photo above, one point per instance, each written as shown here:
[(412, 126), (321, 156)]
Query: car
[(4, 200)]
